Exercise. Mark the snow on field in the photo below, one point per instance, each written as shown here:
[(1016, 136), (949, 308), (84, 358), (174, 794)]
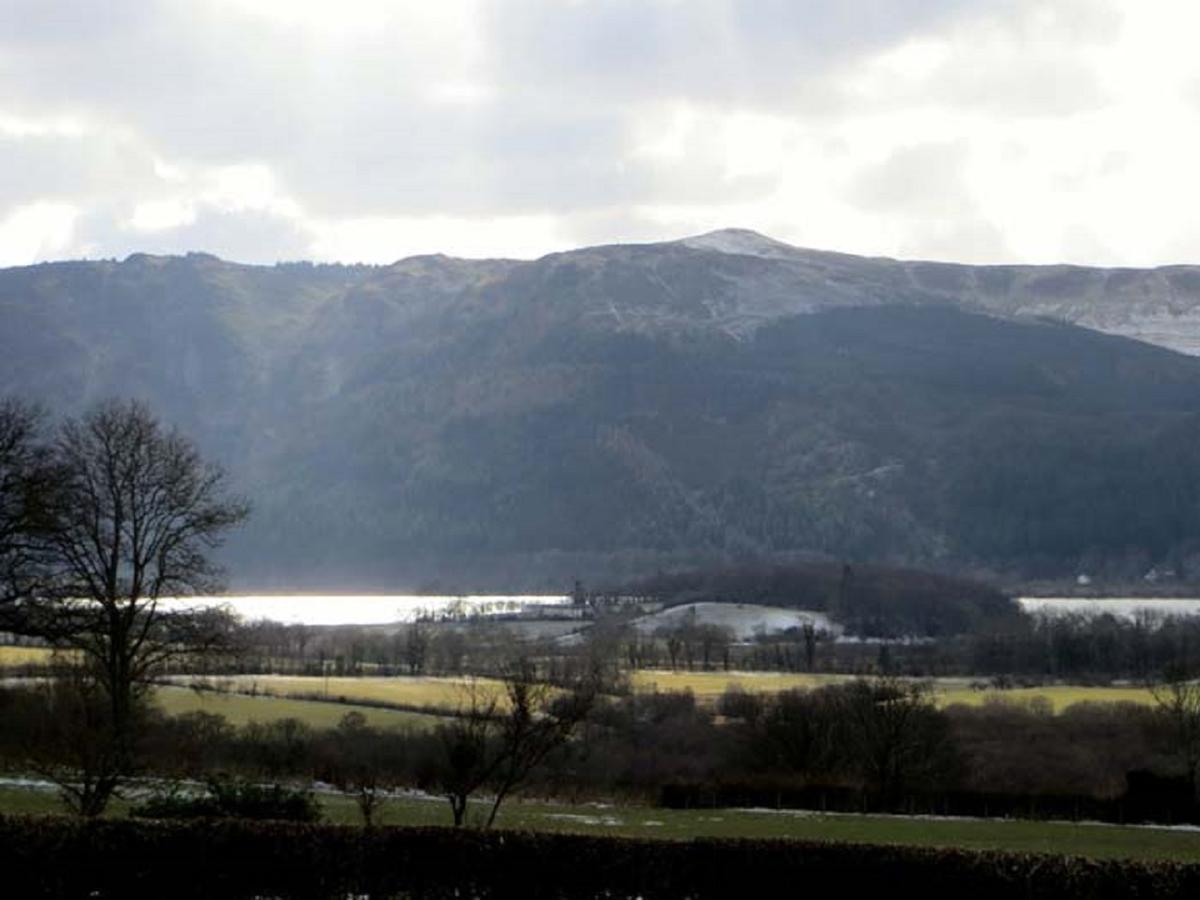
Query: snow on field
[(746, 620), (920, 817), (580, 819)]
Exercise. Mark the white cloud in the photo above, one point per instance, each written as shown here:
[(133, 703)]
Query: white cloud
[(384, 240), (980, 130), (159, 215), (36, 231)]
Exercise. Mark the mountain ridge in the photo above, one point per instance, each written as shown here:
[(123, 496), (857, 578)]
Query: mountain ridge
[(608, 412), (1159, 305)]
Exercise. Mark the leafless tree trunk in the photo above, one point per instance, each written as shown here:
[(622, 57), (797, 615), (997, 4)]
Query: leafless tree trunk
[(1178, 699), (897, 733), (136, 512), (537, 722), (500, 736), (468, 755), (26, 476)]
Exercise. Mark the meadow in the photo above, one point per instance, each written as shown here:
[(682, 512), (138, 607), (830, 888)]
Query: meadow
[(241, 709), (419, 701), (24, 656), (1085, 839), (708, 686)]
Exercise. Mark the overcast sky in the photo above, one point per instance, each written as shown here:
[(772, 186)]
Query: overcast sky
[(364, 130)]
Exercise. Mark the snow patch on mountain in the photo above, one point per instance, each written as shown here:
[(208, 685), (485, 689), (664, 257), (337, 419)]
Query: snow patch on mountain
[(740, 242)]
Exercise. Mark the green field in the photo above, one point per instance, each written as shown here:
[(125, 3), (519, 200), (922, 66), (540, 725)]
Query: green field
[(240, 709), (433, 694), (1101, 841)]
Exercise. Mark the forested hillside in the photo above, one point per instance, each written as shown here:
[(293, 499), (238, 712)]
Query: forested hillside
[(615, 411)]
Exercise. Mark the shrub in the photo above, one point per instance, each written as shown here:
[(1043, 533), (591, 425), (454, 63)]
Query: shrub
[(232, 799)]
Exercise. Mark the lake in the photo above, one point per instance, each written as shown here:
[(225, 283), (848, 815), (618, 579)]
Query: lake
[(368, 609), (383, 609), (1122, 607)]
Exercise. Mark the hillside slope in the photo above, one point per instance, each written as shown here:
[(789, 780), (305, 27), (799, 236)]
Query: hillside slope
[(616, 410)]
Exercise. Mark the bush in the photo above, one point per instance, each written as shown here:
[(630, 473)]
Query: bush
[(230, 799)]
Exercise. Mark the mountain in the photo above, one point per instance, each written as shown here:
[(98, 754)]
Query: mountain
[(613, 411)]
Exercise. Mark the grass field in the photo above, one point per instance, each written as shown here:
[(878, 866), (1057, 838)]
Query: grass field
[(711, 685), (1095, 840), (24, 656), (240, 709), (708, 686), (1059, 696), (446, 694), (433, 694)]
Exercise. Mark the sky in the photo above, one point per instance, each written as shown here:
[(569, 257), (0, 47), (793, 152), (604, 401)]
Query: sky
[(980, 131)]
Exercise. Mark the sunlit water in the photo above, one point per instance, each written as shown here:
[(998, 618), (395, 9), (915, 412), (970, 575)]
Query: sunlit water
[(1121, 607), (383, 609), (367, 609)]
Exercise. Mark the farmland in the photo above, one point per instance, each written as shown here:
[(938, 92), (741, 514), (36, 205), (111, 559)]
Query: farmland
[(420, 694), (24, 656), (322, 701), (241, 709), (418, 701), (707, 686)]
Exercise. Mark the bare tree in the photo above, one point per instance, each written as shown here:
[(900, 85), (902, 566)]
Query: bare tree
[(71, 741), (360, 767), (539, 719), (416, 647), (809, 631), (26, 476), (499, 736), (466, 744), (136, 513), (1178, 699), (897, 734)]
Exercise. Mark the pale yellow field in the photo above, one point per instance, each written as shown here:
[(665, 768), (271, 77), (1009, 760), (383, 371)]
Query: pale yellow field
[(1059, 696), (24, 656), (708, 686), (441, 694), (240, 709)]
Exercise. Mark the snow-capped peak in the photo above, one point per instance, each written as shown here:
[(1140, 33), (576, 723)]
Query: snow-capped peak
[(739, 241)]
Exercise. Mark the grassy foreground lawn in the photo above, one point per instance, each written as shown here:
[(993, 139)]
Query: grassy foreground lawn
[(1095, 840)]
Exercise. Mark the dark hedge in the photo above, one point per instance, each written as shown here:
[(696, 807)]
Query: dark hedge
[(65, 858)]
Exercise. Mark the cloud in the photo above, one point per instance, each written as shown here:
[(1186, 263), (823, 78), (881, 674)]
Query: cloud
[(40, 230), (920, 180), (989, 130)]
